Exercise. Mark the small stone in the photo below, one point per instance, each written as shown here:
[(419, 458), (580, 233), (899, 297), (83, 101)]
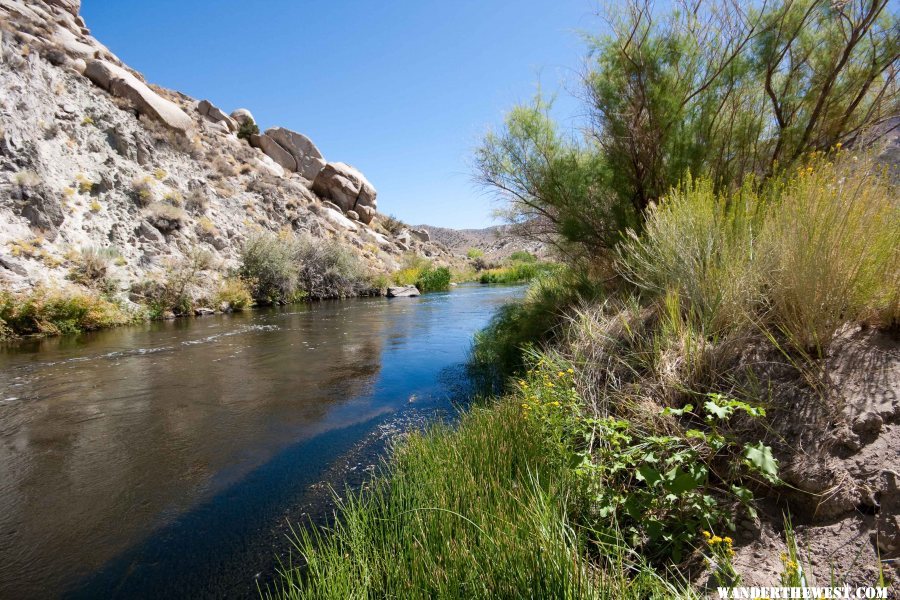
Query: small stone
[(868, 423)]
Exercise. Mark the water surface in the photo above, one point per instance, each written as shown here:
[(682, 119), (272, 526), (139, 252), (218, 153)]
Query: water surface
[(165, 460)]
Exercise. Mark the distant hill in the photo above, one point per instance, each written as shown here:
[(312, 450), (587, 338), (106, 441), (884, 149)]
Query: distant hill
[(497, 242)]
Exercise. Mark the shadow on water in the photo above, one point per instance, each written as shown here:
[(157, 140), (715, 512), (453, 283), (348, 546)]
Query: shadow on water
[(167, 460)]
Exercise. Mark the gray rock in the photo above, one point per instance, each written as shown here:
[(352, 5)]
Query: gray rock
[(420, 234), (402, 291), (123, 84), (868, 424), (42, 208), (11, 265), (353, 215), (146, 230), (309, 159), (203, 310), (216, 115), (274, 151)]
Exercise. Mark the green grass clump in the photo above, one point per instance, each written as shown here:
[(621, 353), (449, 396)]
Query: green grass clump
[(475, 511), (537, 319), (54, 312), (515, 272)]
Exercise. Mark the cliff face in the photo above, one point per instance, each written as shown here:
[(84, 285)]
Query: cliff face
[(92, 156)]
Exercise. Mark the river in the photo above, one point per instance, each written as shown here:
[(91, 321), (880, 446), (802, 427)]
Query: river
[(167, 460)]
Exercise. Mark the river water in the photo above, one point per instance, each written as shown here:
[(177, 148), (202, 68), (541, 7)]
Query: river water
[(166, 460)]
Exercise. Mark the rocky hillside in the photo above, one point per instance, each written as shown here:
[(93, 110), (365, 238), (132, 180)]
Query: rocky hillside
[(94, 157), (497, 242)]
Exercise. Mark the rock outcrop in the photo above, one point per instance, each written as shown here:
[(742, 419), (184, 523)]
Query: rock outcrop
[(119, 82), (216, 115), (309, 159), (274, 151), (348, 188)]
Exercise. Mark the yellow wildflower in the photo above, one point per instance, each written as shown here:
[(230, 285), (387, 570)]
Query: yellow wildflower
[(706, 534)]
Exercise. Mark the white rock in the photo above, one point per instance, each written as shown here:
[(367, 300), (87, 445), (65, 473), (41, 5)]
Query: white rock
[(242, 115), (120, 82), (274, 151), (308, 158)]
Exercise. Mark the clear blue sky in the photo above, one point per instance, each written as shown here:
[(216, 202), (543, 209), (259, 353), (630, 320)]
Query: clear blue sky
[(403, 90)]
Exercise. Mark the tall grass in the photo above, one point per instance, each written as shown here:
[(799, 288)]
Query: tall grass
[(812, 250), (515, 272), (537, 319), (476, 511), (831, 246)]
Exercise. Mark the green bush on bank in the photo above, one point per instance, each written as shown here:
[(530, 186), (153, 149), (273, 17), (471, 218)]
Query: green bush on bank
[(420, 272), (53, 312), (284, 268)]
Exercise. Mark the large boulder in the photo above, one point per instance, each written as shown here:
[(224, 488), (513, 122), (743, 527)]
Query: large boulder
[(242, 115), (274, 151), (420, 234), (402, 291), (348, 188), (119, 82), (309, 159), (216, 115)]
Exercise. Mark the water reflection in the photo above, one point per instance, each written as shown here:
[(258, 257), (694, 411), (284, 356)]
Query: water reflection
[(109, 439)]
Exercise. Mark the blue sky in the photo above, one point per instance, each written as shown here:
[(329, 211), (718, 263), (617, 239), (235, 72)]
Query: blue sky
[(403, 90)]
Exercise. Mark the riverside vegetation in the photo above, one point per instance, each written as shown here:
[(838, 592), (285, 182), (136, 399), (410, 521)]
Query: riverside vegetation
[(726, 227)]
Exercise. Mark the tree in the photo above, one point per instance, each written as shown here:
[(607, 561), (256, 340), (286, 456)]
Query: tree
[(714, 88)]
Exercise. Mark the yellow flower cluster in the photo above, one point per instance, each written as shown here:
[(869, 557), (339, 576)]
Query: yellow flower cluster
[(723, 544)]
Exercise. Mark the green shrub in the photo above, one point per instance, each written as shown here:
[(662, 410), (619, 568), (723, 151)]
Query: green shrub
[(537, 319), (91, 269), (434, 280), (246, 129), (474, 253), (419, 271), (53, 312), (236, 292), (284, 268), (269, 262), (817, 248), (391, 224), (831, 246), (515, 273), (522, 256), (328, 269), (178, 288)]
